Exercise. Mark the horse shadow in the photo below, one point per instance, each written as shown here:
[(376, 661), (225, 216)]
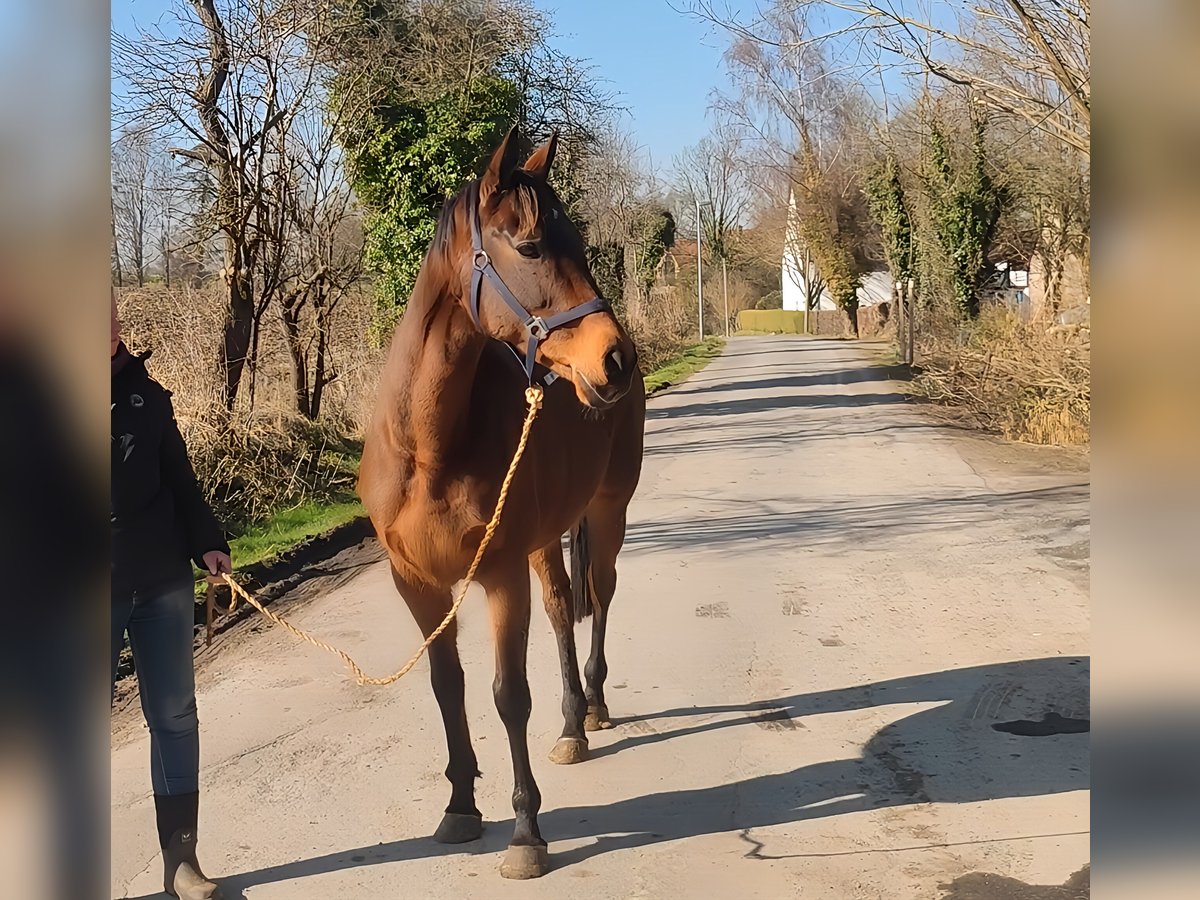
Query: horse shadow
[(1015, 729)]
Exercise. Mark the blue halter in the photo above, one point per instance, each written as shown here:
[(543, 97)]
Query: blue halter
[(536, 328)]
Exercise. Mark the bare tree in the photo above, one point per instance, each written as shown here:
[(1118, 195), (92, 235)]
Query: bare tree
[(805, 134), (131, 199), (253, 74), (614, 196), (170, 208), (1029, 59), (315, 253), (714, 173), (116, 247)]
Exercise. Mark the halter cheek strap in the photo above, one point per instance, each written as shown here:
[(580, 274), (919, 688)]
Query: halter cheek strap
[(537, 329)]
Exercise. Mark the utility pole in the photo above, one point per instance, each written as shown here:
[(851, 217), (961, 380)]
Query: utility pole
[(699, 268), (898, 300), (912, 321), (808, 297), (725, 292)]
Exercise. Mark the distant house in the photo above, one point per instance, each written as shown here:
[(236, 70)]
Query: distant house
[(1008, 286), (876, 287)]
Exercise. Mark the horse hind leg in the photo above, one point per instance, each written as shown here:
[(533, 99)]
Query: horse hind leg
[(605, 535), (572, 746), (462, 821)]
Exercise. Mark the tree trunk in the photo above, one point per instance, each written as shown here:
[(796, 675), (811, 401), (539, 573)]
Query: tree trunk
[(289, 316), (166, 252), (116, 248), (631, 289), (239, 324), (1054, 270), (252, 361), (318, 388)]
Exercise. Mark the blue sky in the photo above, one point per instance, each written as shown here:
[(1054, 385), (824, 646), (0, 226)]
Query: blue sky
[(664, 65)]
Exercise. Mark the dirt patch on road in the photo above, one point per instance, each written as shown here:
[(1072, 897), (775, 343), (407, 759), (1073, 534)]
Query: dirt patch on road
[(985, 886)]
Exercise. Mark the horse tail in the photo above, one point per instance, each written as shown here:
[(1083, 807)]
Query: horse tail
[(581, 571)]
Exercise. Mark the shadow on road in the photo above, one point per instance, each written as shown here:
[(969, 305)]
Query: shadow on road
[(767, 404), (852, 523), (948, 752), (856, 375), (771, 437)]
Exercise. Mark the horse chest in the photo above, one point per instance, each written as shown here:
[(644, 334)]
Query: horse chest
[(436, 512)]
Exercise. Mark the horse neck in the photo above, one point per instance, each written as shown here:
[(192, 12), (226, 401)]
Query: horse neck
[(443, 354)]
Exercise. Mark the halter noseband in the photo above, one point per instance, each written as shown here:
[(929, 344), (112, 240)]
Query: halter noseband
[(536, 328)]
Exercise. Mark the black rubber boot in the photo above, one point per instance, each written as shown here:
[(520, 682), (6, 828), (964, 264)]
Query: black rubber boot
[(182, 878)]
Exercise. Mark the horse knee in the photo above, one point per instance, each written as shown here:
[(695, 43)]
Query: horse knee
[(513, 700)]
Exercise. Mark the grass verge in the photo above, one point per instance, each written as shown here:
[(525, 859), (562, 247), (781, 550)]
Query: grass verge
[(291, 527), (689, 361)]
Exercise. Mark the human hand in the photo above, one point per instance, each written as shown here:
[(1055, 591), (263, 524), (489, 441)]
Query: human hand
[(218, 563)]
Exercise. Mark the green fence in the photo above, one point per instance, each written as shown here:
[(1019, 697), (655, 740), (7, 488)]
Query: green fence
[(771, 321)]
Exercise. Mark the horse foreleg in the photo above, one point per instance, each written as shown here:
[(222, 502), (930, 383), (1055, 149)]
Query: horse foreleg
[(572, 747), (508, 601), (462, 821)]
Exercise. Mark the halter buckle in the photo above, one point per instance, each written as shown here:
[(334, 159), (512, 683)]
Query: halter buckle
[(481, 260), (537, 327)]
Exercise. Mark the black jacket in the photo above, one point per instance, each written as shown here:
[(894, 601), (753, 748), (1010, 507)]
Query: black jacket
[(159, 516)]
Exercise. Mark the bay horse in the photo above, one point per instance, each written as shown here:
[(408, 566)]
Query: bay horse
[(505, 297)]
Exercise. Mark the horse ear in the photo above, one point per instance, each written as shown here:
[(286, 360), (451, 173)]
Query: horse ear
[(500, 171), (542, 158)]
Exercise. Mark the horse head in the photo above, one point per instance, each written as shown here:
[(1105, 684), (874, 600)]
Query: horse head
[(527, 282)]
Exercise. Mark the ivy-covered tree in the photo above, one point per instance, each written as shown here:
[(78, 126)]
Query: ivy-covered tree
[(415, 155), (652, 235), (965, 208), (822, 225), (889, 207), (439, 82)]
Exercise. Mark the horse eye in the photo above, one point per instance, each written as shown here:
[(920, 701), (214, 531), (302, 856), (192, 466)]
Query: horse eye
[(529, 250)]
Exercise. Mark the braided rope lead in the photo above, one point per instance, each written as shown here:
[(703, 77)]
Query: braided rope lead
[(533, 397)]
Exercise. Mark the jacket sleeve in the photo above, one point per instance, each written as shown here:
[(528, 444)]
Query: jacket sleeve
[(203, 532)]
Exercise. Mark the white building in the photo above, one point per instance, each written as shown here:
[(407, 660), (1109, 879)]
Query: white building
[(876, 287)]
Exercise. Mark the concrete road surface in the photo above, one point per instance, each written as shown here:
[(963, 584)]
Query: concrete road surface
[(848, 660)]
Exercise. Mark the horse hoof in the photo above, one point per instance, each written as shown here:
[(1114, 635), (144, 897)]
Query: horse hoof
[(523, 863), (596, 719), (568, 751), (458, 828)]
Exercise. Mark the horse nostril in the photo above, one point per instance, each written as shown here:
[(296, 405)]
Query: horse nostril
[(614, 365)]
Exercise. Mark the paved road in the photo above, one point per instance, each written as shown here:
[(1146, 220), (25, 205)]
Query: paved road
[(827, 603)]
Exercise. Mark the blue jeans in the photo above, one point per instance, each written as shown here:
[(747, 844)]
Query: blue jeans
[(160, 626)]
